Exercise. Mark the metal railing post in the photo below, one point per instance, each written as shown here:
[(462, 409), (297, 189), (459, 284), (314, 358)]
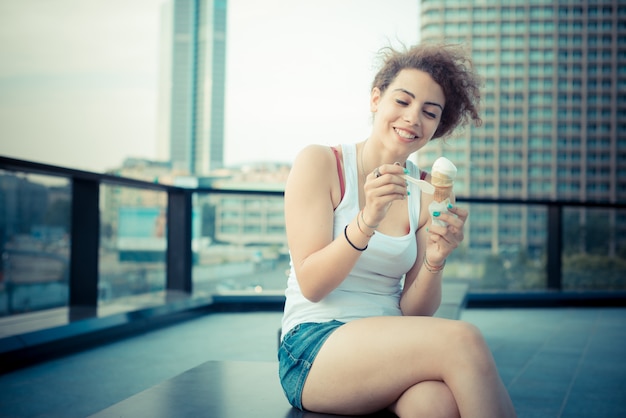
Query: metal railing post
[(179, 235), (555, 246), (85, 233)]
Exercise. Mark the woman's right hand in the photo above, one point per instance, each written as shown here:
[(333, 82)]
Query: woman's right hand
[(382, 186)]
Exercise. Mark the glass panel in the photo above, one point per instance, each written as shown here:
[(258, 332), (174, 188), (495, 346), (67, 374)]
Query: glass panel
[(504, 249), (594, 249), (35, 216), (241, 244), (132, 242)]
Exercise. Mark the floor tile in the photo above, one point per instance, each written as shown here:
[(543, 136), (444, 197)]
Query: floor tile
[(557, 362)]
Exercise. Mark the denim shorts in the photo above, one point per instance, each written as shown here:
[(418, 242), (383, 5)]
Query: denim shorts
[(296, 353)]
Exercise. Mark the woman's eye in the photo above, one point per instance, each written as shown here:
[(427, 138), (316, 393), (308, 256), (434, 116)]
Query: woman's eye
[(401, 102), (430, 115)]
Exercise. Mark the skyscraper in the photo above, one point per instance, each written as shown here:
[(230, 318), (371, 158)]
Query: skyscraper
[(553, 109), (198, 85)]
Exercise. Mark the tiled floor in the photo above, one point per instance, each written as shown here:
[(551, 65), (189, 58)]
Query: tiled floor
[(559, 362), (555, 362)]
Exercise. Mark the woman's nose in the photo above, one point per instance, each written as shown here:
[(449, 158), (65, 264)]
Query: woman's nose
[(412, 118)]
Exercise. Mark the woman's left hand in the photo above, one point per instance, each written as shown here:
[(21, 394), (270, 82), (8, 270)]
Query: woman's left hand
[(442, 240)]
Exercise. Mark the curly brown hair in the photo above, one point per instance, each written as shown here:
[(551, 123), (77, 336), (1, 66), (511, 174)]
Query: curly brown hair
[(450, 67)]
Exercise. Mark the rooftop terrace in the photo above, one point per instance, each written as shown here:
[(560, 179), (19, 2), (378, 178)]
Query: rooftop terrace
[(560, 356), (556, 362)]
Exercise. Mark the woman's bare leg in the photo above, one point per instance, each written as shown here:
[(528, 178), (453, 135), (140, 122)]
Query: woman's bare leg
[(367, 364), (431, 399)]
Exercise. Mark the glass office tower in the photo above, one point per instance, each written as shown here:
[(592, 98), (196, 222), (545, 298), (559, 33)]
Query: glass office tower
[(553, 109), (198, 85)]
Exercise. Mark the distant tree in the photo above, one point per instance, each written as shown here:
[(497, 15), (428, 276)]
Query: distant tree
[(573, 232), (597, 233), (594, 272), (527, 272), (494, 274), (591, 234)]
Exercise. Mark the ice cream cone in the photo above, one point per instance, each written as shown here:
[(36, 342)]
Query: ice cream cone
[(443, 186), (442, 178)]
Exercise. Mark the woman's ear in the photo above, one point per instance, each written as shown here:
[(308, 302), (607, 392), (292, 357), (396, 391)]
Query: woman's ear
[(374, 99)]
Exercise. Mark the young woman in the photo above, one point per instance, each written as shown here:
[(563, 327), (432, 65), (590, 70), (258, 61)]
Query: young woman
[(367, 263)]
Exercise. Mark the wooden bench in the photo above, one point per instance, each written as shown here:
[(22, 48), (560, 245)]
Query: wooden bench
[(238, 389), (220, 389)]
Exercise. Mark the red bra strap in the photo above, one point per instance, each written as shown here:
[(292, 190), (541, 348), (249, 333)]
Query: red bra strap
[(342, 184)]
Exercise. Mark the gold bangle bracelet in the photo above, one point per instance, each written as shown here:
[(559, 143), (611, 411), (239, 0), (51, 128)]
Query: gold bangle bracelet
[(431, 268), (365, 223), (358, 224)]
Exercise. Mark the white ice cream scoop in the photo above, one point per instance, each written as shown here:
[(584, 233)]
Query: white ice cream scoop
[(442, 178)]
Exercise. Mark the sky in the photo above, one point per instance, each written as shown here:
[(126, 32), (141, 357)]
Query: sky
[(79, 79)]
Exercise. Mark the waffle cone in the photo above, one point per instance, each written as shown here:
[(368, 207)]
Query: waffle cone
[(442, 193), (443, 186)]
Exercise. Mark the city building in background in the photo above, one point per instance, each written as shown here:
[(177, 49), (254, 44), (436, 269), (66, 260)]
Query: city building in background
[(198, 73), (554, 128), (133, 221), (554, 116), (248, 219)]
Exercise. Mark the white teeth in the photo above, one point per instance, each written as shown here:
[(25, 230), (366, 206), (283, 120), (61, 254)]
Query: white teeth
[(404, 134)]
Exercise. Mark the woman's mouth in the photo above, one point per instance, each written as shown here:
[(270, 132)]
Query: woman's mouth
[(405, 134)]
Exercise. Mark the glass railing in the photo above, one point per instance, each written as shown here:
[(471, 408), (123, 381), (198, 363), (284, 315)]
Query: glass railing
[(594, 249), (239, 243), (34, 241), (74, 238), (133, 242)]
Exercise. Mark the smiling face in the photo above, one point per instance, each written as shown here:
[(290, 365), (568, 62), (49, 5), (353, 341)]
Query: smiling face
[(407, 113)]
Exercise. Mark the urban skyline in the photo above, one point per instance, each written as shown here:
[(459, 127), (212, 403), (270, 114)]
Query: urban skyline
[(553, 99), (505, 245), (96, 104), (553, 109), (197, 78)]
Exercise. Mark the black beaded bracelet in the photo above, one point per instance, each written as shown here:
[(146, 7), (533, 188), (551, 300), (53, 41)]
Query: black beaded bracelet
[(345, 233)]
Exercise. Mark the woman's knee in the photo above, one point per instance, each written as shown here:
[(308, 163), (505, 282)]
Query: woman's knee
[(471, 345), (427, 399), (469, 334)]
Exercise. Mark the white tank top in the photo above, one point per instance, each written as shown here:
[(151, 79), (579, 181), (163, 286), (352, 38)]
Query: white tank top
[(373, 287)]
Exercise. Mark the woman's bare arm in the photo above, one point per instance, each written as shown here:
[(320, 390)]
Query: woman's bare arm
[(320, 262)]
